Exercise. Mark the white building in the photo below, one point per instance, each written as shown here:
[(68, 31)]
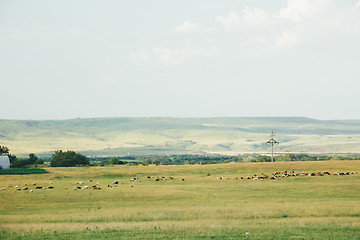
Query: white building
[(4, 162)]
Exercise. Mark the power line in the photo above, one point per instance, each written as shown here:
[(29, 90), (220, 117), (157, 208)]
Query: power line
[(272, 141)]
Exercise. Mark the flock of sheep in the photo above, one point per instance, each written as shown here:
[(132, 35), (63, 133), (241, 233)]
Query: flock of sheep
[(283, 174), (81, 185), (27, 187), (115, 183)]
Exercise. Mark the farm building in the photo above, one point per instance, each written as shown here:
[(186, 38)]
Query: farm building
[(4, 162)]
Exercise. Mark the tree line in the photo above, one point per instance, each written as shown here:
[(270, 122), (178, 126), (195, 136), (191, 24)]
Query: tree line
[(70, 158)]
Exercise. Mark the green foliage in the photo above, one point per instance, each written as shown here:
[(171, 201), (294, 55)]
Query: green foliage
[(114, 160), (263, 159), (188, 159), (68, 159), (4, 150), (39, 161), (297, 157), (32, 158), (26, 162), (342, 157), (22, 171), (286, 157)]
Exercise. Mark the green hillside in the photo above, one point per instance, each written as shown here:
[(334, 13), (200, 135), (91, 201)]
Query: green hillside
[(121, 136)]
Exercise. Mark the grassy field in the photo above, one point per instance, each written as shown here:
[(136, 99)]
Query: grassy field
[(200, 207)]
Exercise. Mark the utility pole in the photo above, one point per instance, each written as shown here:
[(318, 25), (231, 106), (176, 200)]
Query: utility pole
[(272, 141)]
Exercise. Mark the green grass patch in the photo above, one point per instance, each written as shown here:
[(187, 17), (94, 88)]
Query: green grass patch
[(113, 176), (22, 171)]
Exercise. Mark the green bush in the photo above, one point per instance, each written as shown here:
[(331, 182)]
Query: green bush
[(68, 159)]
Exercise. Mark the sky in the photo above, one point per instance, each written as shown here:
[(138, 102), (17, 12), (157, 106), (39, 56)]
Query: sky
[(65, 59)]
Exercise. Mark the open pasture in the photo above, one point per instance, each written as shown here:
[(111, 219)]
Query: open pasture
[(195, 204)]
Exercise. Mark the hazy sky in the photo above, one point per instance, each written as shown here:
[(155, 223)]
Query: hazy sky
[(189, 58)]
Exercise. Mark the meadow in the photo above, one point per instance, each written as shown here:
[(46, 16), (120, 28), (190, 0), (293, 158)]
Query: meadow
[(195, 204)]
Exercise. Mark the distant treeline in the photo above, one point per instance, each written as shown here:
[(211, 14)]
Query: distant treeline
[(32, 161), (211, 159), (71, 159)]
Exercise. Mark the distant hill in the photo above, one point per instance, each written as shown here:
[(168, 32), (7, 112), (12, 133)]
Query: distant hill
[(137, 136)]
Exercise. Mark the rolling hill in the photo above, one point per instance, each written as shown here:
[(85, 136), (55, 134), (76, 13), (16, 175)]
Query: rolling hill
[(137, 136)]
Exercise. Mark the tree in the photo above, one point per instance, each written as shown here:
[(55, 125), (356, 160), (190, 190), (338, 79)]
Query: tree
[(39, 161), (286, 157), (14, 162), (32, 158), (114, 160), (263, 159), (4, 150), (68, 159)]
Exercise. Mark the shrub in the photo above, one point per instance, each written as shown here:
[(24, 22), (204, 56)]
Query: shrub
[(68, 159)]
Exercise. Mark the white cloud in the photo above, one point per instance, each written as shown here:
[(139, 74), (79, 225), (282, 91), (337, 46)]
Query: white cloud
[(256, 16), (187, 27), (357, 4), (286, 40), (298, 10), (230, 20)]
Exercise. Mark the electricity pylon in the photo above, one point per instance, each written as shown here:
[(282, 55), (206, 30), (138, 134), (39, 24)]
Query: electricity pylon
[(272, 141)]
